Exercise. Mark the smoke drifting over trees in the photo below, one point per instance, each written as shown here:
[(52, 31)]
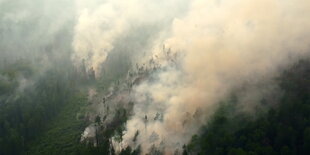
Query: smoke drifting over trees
[(155, 71), (223, 45)]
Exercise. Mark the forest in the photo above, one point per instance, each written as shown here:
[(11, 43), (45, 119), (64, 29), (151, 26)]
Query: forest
[(166, 77), (43, 120)]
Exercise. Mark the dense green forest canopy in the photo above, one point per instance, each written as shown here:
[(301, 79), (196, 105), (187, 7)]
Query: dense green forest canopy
[(29, 101)]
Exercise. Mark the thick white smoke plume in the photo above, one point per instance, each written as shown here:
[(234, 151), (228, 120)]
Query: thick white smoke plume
[(223, 44), (101, 23), (215, 46), (199, 52)]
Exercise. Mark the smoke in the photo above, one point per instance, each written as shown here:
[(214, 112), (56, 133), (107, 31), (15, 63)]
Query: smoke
[(101, 24), (37, 31), (211, 48), (224, 45)]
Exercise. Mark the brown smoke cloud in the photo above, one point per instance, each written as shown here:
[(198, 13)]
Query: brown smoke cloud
[(224, 45)]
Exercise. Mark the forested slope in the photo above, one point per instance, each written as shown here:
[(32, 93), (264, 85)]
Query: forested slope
[(30, 99), (285, 129)]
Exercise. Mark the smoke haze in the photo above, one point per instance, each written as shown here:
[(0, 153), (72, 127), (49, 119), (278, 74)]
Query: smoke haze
[(225, 44), (103, 23), (206, 49)]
